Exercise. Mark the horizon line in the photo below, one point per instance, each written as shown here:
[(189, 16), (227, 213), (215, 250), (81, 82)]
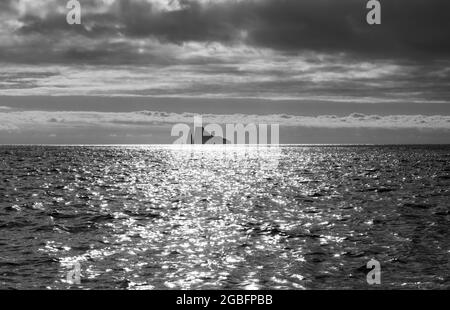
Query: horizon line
[(226, 145)]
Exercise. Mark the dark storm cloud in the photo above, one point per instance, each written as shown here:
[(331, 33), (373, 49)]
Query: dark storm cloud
[(408, 28), (414, 28), (283, 49), (140, 19), (192, 22)]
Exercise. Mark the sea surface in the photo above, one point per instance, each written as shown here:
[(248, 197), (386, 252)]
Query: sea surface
[(205, 217)]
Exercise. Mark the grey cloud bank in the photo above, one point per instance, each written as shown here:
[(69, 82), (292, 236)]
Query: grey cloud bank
[(18, 120)]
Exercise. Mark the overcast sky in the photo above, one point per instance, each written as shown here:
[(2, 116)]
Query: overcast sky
[(133, 68)]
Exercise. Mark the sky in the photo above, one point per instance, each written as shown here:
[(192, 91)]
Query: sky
[(135, 68)]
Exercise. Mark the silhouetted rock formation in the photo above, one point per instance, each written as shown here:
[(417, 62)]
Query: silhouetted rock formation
[(206, 138)]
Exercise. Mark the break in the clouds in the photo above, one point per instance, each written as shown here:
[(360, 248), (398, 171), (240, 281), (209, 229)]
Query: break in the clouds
[(25, 120), (412, 28)]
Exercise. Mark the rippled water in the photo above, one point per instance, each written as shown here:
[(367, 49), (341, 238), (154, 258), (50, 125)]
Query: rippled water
[(163, 217)]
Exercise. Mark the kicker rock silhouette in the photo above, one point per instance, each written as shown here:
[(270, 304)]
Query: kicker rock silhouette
[(206, 138)]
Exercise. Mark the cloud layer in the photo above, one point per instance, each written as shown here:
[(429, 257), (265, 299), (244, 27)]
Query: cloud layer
[(412, 28), (83, 127), (19, 120), (297, 49)]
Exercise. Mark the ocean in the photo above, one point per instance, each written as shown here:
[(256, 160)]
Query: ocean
[(168, 217)]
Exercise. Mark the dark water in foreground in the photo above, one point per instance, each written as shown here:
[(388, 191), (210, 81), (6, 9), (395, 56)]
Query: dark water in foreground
[(159, 217)]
